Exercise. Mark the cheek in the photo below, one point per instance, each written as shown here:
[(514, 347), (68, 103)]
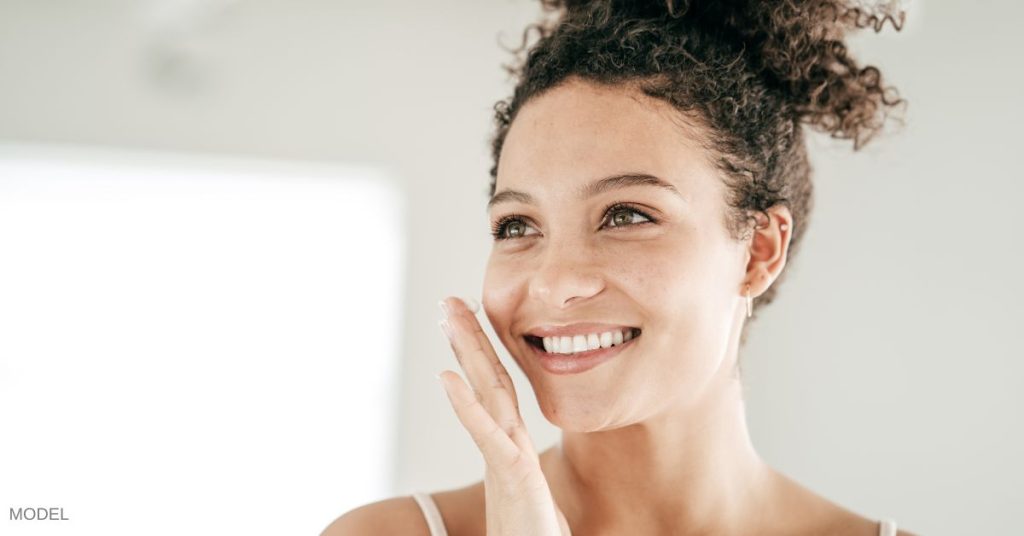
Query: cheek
[(678, 285), (650, 274), (690, 311), (501, 286), (502, 290)]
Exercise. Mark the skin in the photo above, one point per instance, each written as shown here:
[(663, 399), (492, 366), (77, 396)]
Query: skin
[(655, 440)]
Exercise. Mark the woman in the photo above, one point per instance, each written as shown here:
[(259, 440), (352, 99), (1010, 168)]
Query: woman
[(653, 183)]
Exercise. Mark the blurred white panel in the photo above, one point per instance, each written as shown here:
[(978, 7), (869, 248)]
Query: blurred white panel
[(192, 345)]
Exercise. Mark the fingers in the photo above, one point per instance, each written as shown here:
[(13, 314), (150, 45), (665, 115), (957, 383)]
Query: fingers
[(488, 378), (497, 447), (485, 344)]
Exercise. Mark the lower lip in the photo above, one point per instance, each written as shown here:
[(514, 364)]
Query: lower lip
[(576, 363)]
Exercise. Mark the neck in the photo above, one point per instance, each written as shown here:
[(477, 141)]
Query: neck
[(688, 470)]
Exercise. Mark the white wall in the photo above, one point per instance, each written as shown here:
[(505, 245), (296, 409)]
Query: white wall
[(885, 375), (189, 334)]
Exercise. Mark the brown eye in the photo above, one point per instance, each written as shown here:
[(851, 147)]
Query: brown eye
[(515, 229), (511, 227), (623, 216)]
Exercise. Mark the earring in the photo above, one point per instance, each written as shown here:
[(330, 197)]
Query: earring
[(749, 303), (783, 227)]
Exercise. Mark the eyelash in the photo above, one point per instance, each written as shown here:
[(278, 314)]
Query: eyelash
[(498, 229)]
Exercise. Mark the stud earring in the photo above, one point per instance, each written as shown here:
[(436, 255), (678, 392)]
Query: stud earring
[(749, 303), (783, 227)]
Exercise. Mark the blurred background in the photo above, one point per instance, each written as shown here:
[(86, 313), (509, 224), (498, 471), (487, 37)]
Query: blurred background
[(225, 227)]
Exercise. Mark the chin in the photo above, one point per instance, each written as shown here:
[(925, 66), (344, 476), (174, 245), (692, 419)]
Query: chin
[(572, 413)]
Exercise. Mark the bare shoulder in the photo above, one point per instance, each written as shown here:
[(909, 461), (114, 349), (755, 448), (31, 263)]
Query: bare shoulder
[(845, 522), (463, 509), (397, 515), (851, 524), (823, 516)]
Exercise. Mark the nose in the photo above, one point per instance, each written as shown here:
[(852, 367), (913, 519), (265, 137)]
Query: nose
[(565, 275)]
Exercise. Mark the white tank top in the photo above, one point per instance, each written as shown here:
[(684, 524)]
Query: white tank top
[(886, 527)]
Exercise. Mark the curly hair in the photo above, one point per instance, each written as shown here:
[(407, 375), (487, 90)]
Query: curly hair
[(747, 73)]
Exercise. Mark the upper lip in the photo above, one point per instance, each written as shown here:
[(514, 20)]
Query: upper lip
[(582, 328)]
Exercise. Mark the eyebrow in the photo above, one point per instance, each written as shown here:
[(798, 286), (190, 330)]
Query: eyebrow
[(590, 190)]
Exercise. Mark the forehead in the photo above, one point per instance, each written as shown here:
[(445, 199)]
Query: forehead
[(580, 131)]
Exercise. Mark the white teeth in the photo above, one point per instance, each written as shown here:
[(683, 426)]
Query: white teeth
[(584, 343)]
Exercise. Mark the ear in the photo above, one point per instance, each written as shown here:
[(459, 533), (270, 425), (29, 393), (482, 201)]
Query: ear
[(768, 248)]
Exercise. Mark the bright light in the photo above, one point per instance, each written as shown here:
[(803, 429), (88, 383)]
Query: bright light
[(192, 345)]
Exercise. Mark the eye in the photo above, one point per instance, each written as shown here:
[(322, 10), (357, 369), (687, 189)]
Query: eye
[(622, 215), (511, 226), (617, 215)]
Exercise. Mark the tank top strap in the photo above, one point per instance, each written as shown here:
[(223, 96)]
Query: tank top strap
[(887, 527), (433, 516)]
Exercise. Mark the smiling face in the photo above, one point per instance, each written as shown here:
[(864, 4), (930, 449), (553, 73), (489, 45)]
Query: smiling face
[(659, 260)]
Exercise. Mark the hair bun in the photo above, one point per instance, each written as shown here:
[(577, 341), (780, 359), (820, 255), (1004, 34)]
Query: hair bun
[(796, 46)]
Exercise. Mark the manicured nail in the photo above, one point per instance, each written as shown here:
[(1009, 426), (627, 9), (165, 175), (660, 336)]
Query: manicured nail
[(444, 386), (444, 308), (471, 304), (447, 329)]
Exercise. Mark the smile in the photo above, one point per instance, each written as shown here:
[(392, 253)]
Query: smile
[(582, 343), (575, 362)]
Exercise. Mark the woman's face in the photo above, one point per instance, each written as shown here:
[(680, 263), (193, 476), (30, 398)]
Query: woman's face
[(668, 268)]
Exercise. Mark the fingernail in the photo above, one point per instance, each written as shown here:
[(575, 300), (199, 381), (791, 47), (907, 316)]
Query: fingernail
[(471, 304), (447, 329), (444, 307)]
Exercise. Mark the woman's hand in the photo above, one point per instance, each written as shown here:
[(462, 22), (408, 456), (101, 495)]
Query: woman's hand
[(517, 498)]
